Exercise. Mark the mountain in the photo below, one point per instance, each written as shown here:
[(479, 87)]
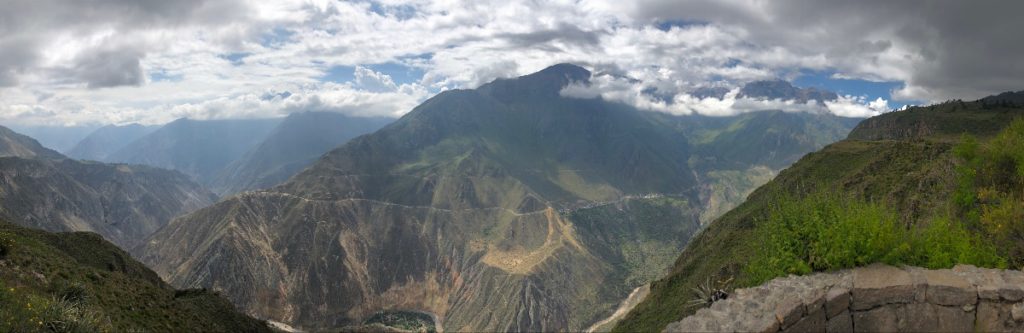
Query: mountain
[(106, 140), (507, 207), (42, 189), (17, 145), (59, 138), (198, 148), (77, 282), (779, 89), (298, 141), (910, 187), (124, 203)]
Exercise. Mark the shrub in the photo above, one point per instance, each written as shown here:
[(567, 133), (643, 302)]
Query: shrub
[(64, 315), (824, 232), (6, 244), (990, 188)]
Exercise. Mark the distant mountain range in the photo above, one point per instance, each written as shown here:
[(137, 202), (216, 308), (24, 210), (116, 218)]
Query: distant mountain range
[(106, 140), (295, 143), (507, 207), (228, 156), (196, 148), (42, 189)]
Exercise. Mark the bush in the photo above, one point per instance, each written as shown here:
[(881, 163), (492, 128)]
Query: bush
[(6, 244), (990, 188), (824, 232), (63, 315)]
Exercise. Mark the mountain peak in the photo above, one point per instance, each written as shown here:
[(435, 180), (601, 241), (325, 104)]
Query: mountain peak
[(546, 83), (566, 70), (781, 89)]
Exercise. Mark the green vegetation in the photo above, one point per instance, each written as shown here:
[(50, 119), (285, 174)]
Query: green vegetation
[(827, 231), (990, 188), (77, 282), (404, 320), (919, 192)]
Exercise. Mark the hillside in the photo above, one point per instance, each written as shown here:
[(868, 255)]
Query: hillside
[(895, 171), (298, 141), (106, 140), (77, 282), (198, 148), (18, 145), (508, 207), (124, 203)]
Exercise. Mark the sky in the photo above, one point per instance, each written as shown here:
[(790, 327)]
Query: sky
[(94, 62)]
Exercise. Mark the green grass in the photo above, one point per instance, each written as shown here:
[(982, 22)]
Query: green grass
[(403, 320), (78, 282), (825, 231)]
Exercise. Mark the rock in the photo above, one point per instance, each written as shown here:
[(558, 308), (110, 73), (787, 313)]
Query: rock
[(947, 288), (788, 311), (992, 317), (688, 324), (841, 323), (879, 319), (1013, 289), (813, 322), (877, 285), (837, 300), (1017, 312), (926, 317)]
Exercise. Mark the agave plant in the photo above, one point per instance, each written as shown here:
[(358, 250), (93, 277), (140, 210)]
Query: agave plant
[(708, 292)]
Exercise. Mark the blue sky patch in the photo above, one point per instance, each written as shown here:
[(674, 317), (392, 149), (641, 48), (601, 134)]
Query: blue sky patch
[(162, 75), (236, 58), (339, 74), (276, 37), (871, 89), (682, 24), (399, 73)]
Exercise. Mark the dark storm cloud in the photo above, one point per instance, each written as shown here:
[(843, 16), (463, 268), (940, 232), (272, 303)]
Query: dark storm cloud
[(565, 33), (110, 68), (27, 25), (953, 48)]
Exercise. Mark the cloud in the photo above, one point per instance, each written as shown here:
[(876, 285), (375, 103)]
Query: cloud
[(637, 94), (938, 49), (370, 80)]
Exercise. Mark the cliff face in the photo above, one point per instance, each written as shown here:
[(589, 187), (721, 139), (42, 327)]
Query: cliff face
[(876, 298)]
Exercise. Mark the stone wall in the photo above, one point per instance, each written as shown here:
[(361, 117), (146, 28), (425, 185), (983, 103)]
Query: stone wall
[(876, 298)]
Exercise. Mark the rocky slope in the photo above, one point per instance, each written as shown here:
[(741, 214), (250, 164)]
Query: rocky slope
[(507, 207), (77, 282), (902, 160), (298, 141), (17, 145), (106, 140)]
